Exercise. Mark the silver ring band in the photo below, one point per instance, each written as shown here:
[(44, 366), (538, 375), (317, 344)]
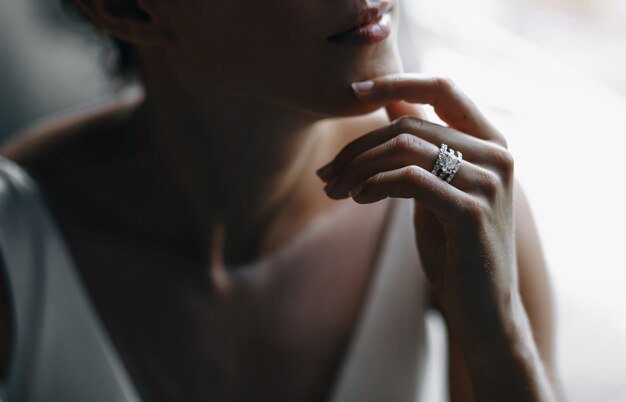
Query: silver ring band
[(447, 164)]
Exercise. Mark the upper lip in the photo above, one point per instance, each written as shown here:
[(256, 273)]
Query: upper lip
[(365, 16)]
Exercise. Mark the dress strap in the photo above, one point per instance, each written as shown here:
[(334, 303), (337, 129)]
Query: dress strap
[(385, 357)]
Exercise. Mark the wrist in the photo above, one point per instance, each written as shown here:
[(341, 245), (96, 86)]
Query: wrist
[(504, 328), (504, 362), (493, 322)]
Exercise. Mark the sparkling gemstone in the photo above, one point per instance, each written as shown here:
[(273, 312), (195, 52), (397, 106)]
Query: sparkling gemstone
[(448, 163)]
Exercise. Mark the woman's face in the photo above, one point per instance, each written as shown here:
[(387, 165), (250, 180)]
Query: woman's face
[(277, 50)]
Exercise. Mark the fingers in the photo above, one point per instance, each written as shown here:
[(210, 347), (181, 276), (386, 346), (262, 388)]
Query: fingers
[(396, 160), (414, 182), (354, 148), (473, 149), (450, 104), (402, 150)]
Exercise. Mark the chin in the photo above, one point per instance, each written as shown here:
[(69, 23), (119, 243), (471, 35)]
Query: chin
[(337, 98), (350, 106), (328, 91)]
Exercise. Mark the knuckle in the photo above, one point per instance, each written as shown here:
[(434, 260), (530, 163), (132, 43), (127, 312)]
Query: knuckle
[(444, 88), (406, 142), (473, 211), (373, 181), (502, 159), (406, 123), (501, 140), (411, 173), (490, 184), (445, 83)]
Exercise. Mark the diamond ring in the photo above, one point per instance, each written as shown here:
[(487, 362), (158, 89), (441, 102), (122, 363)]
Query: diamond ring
[(447, 163)]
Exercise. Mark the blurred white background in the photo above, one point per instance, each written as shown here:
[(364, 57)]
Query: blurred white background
[(550, 73)]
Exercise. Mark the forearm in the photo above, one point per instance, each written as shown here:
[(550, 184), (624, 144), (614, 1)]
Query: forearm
[(504, 364)]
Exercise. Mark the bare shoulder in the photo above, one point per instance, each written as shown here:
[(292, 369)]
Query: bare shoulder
[(51, 151), (348, 129), (59, 140), (364, 122)]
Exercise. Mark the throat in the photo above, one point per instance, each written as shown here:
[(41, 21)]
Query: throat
[(244, 241)]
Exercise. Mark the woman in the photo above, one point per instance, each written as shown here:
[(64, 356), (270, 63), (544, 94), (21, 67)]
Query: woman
[(216, 264)]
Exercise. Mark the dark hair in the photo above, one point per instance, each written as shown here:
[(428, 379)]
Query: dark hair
[(122, 61)]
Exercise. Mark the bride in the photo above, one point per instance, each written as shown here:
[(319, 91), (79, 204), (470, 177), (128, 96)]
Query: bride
[(227, 223)]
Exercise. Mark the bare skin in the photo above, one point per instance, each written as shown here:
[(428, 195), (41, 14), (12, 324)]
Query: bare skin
[(95, 225), (474, 257), (211, 317), (162, 200)]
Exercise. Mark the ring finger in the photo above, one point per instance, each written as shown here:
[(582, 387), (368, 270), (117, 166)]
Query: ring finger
[(398, 152)]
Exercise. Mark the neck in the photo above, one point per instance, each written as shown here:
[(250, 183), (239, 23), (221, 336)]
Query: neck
[(237, 162)]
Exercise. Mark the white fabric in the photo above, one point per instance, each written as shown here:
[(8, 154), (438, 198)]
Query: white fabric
[(61, 352)]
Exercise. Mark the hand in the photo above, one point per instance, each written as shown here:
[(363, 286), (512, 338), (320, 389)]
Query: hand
[(464, 228)]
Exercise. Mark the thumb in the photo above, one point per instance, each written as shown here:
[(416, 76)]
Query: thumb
[(396, 110)]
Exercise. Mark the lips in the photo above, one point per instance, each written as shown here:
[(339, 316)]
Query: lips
[(363, 18)]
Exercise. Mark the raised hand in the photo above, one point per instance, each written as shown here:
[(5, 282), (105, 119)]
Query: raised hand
[(464, 228)]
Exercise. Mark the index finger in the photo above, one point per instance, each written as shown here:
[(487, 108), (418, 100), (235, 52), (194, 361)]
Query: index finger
[(449, 102)]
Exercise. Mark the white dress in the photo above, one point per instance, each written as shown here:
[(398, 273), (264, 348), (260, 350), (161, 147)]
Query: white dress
[(61, 352)]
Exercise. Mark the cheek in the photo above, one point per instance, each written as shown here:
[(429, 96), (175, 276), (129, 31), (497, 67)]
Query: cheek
[(243, 35)]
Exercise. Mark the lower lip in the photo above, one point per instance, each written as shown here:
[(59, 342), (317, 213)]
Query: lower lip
[(374, 32)]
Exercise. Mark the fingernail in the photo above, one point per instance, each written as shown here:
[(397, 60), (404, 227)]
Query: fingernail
[(331, 186), (357, 190), (363, 87)]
